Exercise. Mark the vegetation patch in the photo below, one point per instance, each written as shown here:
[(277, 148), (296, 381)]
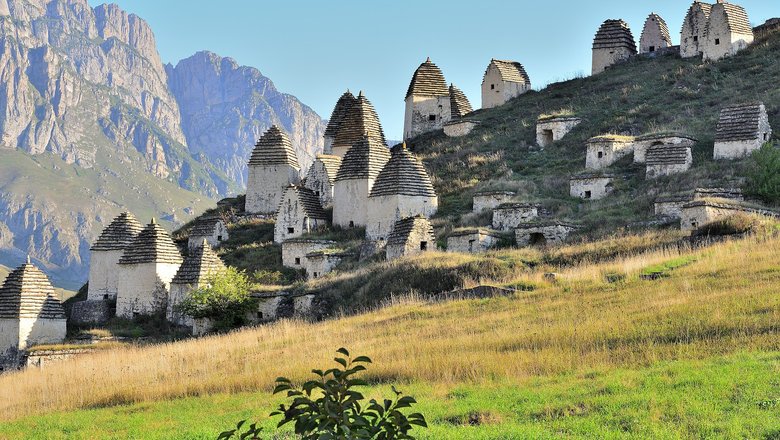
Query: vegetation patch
[(663, 269)]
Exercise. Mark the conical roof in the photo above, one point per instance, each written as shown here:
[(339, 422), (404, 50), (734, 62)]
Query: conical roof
[(274, 148), (511, 71), (343, 105), (118, 235), (205, 227), (428, 80), (403, 229), (614, 34), (331, 164), (656, 21), (360, 120), (741, 122), (403, 175), (153, 245), (459, 103), (364, 160), (27, 293), (736, 18), (309, 202), (202, 263)]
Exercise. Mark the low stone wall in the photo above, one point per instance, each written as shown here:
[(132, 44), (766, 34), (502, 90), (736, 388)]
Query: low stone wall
[(459, 128), (701, 212), (473, 241), (671, 207), (45, 358), (509, 216), (92, 312), (484, 201), (590, 187), (543, 234), (554, 129)]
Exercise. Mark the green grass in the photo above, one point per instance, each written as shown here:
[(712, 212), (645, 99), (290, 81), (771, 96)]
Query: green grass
[(664, 268), (736, 396)]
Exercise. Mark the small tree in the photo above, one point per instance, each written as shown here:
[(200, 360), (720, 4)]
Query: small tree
[(224, 299), (763, 179)]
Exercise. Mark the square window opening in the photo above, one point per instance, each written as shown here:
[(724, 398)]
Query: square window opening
[(291, 230), (259, 315), (601, 154), (695, 39), (492, 87), (297, 261), (588, 194), (431, 118), (351, 224), (423, 245), (652, 48), (219, 238), (717, 41)]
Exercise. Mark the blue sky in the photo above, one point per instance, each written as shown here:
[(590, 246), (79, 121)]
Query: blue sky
[(316, 49)]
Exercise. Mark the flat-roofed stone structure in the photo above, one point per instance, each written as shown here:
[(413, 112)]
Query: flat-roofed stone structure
[(693, 34), (212, 229), (667, 159), (294, 251), (503, 80), (700, 212), (345, 102), (543, 233), (472, 240), (487, 200), (742, 129), (642, 143), (605, 150), (402, 189), (671, 207), (30, 312), (550, 129), (655, 35), (728, 31), (105, 255), (459, 103), (321, 178), (196, 271), (718, 193), (428, 101), (360, 121), (273, 167), (146, 270), (593, 186), (509, 216), (614, 43), (410, 236), (299, 213), (459, 127), (355, 179), (319, 263)]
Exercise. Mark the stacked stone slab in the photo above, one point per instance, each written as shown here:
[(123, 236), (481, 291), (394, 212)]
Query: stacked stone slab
[(105, 255), (428, 101), (359, 122), (145, 272), (613, 44), (273, 167), (299, 213), (553, 129), (693, 30), (321, 178), (509, 216), (212, 229), (591, 186), (603, 151), (644, 142), (718, 193), (402, 189), (667, 159), (741, 130), (655, 35), (345, 102), (727, 32), (459, 103), (410, 236), (358, 172), (30, 313), (503, 80), (472, 240), (198, 268)]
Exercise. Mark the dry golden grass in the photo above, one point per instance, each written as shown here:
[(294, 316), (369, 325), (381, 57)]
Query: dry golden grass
[(726, 301)]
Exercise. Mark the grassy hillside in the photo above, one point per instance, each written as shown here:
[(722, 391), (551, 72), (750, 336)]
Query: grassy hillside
[(689, 355)]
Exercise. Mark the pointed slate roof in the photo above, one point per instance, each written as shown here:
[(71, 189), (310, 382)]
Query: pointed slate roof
[(205, 227), (364, 160), (27, 293), (511, 71), (274, 148), (153, 245), (343, 105), (118, 235), (656, 20), (309, 202), (740, 122), (696, 6), (404, 227), (667, 154), (459, 103), (736, 18), (428, 80), (199, 265), (403, 175), (331, 164), (614, 34), (360, 120)]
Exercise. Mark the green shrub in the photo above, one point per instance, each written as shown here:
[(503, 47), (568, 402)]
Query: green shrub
[(224, 299), (763, 177)]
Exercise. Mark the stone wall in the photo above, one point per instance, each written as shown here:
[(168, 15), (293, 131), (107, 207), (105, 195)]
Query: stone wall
[(553, 130), (9, 334), (672, 164), (604, 58), (319, 183), (34, 331), (720, 41), (219, 235), (643, 143), (670, 208), (103, 274), (698, 213), (350, 202), (425, 113), (318, 264), (385, 211), (490, 200), (542, 234), (496, 91), (178, 293), (294, 251), (265, 186), (603, 152), (419, 240), (292, 221), (92, 312), (736, 149), (508, 217), (46, 358), (143, 288), (472, 241), (590, 188), (769, 27), (459, 128), (692, 35)]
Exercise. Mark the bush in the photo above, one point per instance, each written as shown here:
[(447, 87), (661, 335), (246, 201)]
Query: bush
[(763, 178), (224, 299)]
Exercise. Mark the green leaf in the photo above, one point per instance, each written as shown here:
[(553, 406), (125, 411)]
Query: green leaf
[(362, 359), (343, 351)]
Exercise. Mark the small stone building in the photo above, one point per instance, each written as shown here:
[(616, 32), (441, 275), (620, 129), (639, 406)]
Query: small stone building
[(321, 178), (345, 102), (742, 129), (145, 273), (718, 193), (614, 43), (503, 81), (700, 212), (30, 312), (671, 207), (360, 121), (299, 213), (273, 167), (212, 229), (642, 143), (542, 234), (472, 240), (728, 31), (459, 127), (410, 236), (402, 189), (319, 263), (591, 186), (668, 159), (354, 181), (200, 265), (459, 103), (693, 31), (603, 151), (294, 251), (509, 216), (487, 200), (655, 35), (551, 129), (105, 255), (428, 101)]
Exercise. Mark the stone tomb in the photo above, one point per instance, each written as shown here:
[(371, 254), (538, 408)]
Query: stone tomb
[(487, 200), (355, 179), (340, 111), (553, 129), (322, 262), (105, 255), (410, 236), (428, 103), (199, 266), (503, 80), (693, 30), (213, 230), (508, 216), (742, 129), (591, 186), (644, 142), (360, 122), (542, 234), (700, 212), (294, 251), (321, 178), (718, 193), (299, 213), (655, 35), (668, 159), (603, 151), (614, 43), (728, 31), (671, 207), (273, 167), (472, 240)]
